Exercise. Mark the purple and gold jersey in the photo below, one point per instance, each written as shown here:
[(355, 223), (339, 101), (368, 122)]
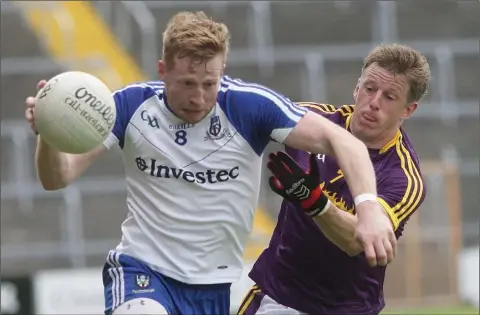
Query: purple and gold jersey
[(302, 269)]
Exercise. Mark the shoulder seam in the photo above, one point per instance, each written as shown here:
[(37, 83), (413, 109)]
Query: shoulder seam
[(282, 102)]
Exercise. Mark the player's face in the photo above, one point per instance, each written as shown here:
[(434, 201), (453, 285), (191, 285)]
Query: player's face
[(381, 105), (192, 87)]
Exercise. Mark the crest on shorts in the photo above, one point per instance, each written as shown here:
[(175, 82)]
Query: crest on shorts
[(143, 281)]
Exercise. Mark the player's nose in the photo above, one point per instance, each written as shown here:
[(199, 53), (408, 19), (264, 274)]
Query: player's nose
[(197, 99), (196, 104), (374, 104)]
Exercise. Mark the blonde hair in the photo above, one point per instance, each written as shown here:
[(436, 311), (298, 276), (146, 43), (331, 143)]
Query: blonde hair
[(403, 60), (194, 35)]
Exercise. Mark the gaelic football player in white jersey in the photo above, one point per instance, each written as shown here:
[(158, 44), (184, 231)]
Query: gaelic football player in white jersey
[(192, 146)]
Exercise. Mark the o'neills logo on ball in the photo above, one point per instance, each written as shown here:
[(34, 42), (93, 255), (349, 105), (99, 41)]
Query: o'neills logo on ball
[(107, 115), (95, 104)]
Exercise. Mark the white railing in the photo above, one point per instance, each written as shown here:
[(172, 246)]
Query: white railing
[(147, 24), (24, 189), (311, 57)]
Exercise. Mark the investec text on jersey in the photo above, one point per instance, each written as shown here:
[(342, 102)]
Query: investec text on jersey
[(209, 176)]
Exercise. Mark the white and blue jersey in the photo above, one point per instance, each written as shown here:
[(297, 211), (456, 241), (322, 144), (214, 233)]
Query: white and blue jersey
[(192, 188)]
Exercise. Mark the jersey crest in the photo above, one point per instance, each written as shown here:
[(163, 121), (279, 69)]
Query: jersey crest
[(217, 131)]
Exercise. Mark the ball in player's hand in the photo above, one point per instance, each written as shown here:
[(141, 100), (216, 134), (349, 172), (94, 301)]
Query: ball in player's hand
[(74, 112)]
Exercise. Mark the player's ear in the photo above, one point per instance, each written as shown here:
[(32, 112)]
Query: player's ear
[(161, 69), (355, 91), (409, 110), (222, 72)]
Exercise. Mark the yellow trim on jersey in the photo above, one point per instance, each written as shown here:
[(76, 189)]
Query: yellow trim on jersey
[(418, 191), (413, 192), (247, 300), (388, 209), (347, 122), (324, 108), (392, 143), (389, 145), (346, 110)]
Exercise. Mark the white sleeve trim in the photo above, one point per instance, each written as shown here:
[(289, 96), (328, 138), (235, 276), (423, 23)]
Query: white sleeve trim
[(110, 141), (281, 134)]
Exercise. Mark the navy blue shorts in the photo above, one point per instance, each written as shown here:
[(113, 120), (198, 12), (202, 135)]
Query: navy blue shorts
[(125, 278)]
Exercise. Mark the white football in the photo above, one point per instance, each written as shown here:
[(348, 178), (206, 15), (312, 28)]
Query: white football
[(74, 112)]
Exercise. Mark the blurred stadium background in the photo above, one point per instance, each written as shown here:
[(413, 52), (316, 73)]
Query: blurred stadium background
[(53, 243)]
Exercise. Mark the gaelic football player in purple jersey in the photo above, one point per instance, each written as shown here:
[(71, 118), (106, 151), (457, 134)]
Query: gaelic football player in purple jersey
[(314, 264)]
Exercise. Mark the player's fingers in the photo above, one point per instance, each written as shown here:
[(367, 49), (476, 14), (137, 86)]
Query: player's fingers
[(29, 114), (313, 165), (275, 185), (381, 253), (277, 167), (41, 84), (272, 159), (30, 101), (369, 251), (388, 250), (31, 119), (394, 243), (290, 164)]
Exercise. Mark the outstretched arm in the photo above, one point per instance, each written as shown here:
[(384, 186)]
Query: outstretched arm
[(303, 189), (316, 134)]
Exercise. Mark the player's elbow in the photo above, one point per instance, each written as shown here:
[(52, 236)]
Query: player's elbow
[(52, 186), (51, 181)]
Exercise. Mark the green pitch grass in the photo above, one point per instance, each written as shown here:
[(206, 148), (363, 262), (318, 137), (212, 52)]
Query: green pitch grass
[(462, 310)]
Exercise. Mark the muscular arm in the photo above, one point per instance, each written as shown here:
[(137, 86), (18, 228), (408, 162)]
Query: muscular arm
[(56, 170), (339, 227), (316, 134)]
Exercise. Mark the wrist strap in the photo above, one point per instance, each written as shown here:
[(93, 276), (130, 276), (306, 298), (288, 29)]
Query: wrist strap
[(319, 211), (364, 197)]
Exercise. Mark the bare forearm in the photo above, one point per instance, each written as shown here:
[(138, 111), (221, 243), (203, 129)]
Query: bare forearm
[(52, 166), (354, 161), (316, 134), (339, 227)]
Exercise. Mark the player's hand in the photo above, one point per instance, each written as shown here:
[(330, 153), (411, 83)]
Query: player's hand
[(30, 111), (297, 186), (375, 232)]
